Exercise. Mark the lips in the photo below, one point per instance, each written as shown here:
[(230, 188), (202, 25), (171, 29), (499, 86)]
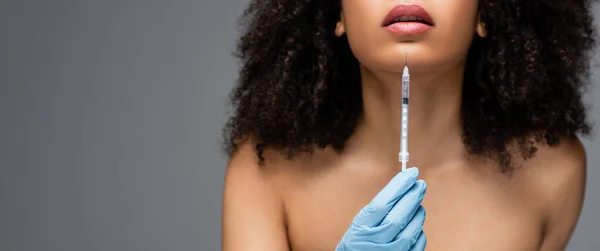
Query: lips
[(408, 14)]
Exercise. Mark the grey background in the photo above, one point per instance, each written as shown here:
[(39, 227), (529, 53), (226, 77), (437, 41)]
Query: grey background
[(110, 120)]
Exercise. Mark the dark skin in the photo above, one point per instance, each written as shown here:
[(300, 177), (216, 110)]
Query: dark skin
[(299, 205), (494, 182), (308, 202)]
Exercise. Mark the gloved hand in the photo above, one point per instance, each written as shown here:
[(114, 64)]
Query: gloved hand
[(393, 220)]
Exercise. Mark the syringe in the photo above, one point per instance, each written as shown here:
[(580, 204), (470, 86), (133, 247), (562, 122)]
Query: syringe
[(403, 154)]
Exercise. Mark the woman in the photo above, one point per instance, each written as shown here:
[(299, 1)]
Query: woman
[(496, 111)]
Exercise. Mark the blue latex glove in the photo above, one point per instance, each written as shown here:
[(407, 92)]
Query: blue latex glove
[(393, 220)]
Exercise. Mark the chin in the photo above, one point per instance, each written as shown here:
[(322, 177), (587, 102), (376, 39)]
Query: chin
[(416, 64), (421, 58)]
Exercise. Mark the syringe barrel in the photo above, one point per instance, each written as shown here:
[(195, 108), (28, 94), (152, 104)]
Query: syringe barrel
[(403, 154), (404, 134)]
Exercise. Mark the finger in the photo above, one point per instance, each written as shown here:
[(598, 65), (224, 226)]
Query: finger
[(406, 207), (401, 214), (403, 241), (409, 235), (372, 214), (421, 243)]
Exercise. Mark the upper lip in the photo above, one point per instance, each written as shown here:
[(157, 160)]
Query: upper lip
[(405, 11)]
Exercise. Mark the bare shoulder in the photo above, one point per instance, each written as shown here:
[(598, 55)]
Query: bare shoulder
[(555, 169), (253, 212), (243, 165), (557, 175)]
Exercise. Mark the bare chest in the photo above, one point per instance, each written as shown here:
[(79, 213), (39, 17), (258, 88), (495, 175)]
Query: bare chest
[(463, 213)]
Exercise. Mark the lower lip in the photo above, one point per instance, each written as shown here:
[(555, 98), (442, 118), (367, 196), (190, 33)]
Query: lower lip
[(408, 28)]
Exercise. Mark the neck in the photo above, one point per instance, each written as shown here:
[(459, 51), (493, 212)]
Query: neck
[(434, 128)]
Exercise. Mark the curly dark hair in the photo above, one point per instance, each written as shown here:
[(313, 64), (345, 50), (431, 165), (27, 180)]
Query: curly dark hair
[(299, 84)]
